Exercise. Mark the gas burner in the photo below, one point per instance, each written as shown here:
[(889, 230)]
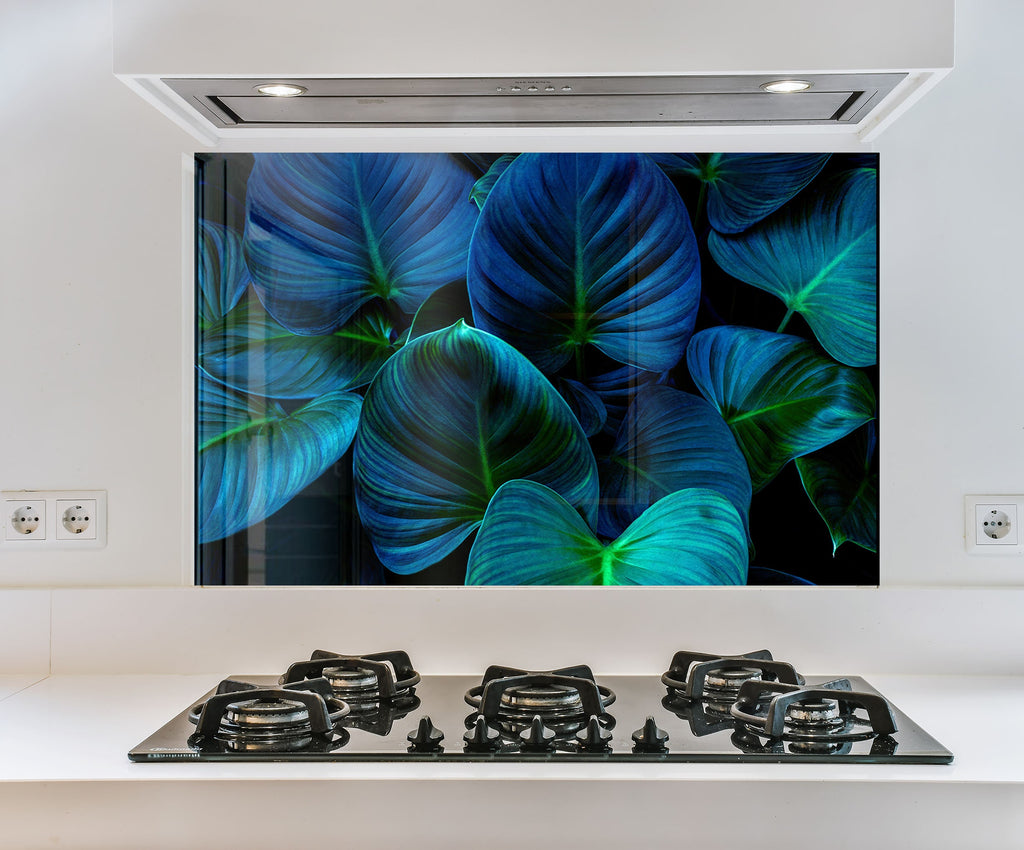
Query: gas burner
[(717, 679), (816, 719), (364, 681), (243, 717), (563, 699)]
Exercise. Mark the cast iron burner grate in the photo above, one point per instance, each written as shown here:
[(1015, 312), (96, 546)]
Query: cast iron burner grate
[(812, 718), (537, 709), (717, 678), (379, 687), (243, 717), (374, 677), (703, 687)]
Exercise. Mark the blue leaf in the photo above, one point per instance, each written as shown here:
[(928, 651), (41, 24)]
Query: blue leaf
[(531, 535), (249, 351), (584, 403), (781, 398), (670, 440), (820, 257), (221, 272), (574, 250), (326, 233), (617, 389), (743, 188), (253, 458), (447, 421)]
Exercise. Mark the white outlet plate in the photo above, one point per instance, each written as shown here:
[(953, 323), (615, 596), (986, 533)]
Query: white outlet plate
[(992, 525), (52, 533)]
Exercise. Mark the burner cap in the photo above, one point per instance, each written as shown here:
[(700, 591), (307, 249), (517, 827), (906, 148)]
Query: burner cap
[(728, 679), (266, 714), (562, 698), (348, 681), (821, 716), (265, 724), (549, 701)]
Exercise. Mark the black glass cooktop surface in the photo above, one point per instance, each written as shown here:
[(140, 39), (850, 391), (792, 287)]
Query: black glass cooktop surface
[(625, 718)]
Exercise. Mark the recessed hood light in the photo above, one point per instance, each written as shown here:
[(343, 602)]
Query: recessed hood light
[(786, 86), (280, 89)]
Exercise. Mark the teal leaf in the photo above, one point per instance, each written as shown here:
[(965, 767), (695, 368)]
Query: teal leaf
[(820, 257), (779, 396), (587, 406), (249, 351), (327, 233), (482, 187), (450, 418), (574, 250), (841, 480), (531, 535), (743, 188), (670, 440), (254, 457), (221, 273)]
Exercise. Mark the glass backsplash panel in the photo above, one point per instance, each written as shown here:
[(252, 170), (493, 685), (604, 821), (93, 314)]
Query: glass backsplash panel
[(537, 368)]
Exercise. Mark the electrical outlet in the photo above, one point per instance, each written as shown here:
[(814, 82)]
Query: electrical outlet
[(76, 519), (54, 519), (991, 525), (25, 519)]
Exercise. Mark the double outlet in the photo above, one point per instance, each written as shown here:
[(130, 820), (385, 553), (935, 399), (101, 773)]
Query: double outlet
[(54, 519), (992, 525)]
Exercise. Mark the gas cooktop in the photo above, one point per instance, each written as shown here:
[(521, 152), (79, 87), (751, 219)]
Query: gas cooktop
[(704, 708)]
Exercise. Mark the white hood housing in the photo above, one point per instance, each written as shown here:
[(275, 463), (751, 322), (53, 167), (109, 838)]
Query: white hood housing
[(535, 63)]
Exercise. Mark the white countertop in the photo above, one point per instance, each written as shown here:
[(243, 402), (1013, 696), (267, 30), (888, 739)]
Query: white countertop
[(64, 741), (102, 717)]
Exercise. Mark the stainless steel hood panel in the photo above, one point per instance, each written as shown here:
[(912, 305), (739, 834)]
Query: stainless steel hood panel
[(589, 101)]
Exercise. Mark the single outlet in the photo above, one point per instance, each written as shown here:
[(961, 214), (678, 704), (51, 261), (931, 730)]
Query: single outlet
[(26, 519), (77, 519), (991, 525), (994, 524), (53, 519)]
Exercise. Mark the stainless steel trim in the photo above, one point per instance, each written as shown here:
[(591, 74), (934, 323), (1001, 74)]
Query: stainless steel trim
[(558, 101)]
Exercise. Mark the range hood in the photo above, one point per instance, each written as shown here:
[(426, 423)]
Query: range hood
[(554, 64), (548, 101)]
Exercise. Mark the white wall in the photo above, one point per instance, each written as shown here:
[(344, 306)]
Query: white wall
[(952, 305), (93, 347), (90, 282)]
